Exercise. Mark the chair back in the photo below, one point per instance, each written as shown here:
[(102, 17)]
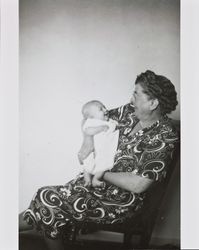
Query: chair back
[(156, 193)]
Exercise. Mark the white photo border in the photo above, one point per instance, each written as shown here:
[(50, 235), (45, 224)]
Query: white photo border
[(10, 127)]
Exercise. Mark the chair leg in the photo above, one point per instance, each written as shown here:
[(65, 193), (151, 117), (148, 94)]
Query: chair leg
[(127, 240), (145, 240), (73, 234)]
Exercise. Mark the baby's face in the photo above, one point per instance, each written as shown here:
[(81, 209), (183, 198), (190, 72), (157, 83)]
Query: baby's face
[(99, 112)]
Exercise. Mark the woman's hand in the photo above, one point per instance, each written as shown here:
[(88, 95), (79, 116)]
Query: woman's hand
[(97, 179), (105, 128), (97, 183)]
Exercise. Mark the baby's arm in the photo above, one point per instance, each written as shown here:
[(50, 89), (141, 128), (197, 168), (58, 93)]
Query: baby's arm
[(95, 130)]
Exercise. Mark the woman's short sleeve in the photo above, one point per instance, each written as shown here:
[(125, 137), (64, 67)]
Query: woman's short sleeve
[(122, 114), (157, 153)]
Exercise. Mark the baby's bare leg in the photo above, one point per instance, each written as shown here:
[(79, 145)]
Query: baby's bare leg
[(87, 179)]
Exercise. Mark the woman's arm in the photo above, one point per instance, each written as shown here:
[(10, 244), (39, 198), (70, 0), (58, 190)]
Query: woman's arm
[(119, 114), (152, 164), (128, 181)]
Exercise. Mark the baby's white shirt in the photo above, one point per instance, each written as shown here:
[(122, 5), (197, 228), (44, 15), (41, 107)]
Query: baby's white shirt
[(105, 145)]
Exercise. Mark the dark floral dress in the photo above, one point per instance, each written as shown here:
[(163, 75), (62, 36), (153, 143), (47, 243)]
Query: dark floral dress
[(147, 153)]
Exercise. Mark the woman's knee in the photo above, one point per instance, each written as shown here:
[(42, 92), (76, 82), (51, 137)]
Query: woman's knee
[(23, 225)]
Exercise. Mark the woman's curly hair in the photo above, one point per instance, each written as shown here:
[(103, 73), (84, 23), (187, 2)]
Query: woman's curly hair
[(157, 86)]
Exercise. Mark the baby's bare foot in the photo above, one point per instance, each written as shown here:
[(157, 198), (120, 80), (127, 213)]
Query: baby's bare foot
[(87, 180)]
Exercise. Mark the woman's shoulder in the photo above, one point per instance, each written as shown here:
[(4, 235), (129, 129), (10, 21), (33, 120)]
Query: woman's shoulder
[(170, 128)]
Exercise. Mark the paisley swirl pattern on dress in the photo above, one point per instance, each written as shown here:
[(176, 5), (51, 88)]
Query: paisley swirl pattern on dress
[(146, 153)]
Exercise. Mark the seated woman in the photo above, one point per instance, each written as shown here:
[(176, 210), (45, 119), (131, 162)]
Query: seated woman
[(147, 140)]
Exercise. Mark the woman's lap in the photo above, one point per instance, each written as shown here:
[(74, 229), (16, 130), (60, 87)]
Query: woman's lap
[(56, 206)]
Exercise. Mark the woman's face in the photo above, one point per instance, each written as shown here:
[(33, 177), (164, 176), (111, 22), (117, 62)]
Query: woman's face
[(141, 101)]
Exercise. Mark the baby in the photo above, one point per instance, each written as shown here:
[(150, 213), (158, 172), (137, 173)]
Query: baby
[(99, 143)]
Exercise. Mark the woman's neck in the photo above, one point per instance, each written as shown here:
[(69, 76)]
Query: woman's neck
[(150, 119)]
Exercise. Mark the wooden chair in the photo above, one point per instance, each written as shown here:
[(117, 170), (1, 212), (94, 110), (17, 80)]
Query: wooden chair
[(143, 223)]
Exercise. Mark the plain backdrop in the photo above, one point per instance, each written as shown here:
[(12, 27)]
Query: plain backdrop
[(74, 51), (9, 146)]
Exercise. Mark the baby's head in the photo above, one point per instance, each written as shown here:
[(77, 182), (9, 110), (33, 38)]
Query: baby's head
[(94, 109)]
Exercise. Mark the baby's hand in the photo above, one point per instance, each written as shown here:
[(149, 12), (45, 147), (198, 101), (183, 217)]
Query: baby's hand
[(97, 183), (87, 183)]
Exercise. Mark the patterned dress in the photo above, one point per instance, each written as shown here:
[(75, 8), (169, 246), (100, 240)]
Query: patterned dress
[(146, 153)]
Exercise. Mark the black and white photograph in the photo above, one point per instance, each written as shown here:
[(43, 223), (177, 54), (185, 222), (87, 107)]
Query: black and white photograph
[(99, 125), (98, 87)]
